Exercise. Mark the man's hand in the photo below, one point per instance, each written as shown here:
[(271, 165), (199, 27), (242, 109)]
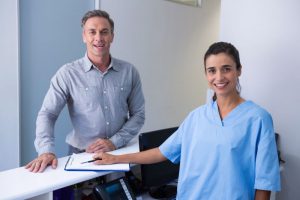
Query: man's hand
[(40, 163), (100, 145)]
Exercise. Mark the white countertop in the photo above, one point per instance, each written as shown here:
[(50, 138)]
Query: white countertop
[(19, 183)]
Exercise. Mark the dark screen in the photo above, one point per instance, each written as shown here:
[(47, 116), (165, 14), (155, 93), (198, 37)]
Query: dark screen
[(155, 175)]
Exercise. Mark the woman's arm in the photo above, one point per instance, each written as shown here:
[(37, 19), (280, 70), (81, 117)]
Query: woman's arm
[(144, 157), (262, 195)]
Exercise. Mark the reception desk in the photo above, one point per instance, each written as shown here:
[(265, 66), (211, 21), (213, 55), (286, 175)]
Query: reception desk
[(19, 183)]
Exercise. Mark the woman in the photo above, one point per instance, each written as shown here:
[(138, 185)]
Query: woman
[(226, 148)]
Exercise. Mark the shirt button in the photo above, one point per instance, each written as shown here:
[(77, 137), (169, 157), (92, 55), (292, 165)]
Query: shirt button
[(107, 123), (122, 88), (106, 107), (104, 91), (86, 89)]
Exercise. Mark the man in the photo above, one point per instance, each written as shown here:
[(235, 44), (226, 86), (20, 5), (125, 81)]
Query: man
[(104, 97)]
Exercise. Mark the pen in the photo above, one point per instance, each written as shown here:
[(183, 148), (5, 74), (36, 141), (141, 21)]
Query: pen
[(89, 161)]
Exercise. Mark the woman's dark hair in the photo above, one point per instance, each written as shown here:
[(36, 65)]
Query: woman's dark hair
[(224, 47), (230, 50)]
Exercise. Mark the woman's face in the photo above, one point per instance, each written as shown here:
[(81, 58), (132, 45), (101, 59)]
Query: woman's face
[(222, 74)]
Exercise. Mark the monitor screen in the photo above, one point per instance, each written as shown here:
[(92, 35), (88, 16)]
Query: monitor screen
[(155, 175)]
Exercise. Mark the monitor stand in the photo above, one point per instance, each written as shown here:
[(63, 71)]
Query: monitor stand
[(163, 192)]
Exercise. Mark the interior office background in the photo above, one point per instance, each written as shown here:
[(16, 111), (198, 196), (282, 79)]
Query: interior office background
[(166, 42)]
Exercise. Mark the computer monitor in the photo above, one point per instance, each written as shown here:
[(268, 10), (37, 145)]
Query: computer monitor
[(156, 177)]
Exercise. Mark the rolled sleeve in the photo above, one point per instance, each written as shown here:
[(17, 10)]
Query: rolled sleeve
[(171, 148), (267, 165)]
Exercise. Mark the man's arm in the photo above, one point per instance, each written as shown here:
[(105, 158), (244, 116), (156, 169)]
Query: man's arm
[(262, 195), (54, 102), (136, 107)]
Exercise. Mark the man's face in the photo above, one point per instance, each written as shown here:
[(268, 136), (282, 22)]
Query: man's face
[(97, 35)]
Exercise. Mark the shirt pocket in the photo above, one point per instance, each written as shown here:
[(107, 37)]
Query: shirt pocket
[(86, 98), (122, 93)]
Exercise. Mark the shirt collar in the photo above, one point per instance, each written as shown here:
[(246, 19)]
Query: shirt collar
[(88, 65)]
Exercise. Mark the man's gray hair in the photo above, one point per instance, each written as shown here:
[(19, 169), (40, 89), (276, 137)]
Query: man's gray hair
[(97, 13)]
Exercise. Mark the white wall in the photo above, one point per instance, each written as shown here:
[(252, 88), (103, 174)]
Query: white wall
[(166, 41), (9, 85), (267, 35)]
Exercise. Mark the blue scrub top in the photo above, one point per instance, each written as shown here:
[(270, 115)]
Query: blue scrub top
[(226, 159)]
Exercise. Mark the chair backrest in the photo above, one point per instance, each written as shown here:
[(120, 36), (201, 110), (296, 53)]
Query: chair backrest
[(155, 175), (281, 161)]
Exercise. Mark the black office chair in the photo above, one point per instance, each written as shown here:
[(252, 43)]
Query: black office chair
[(156, 177), (281, 161)]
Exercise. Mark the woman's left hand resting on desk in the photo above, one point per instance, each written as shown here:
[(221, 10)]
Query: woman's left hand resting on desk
[(144, 157), (40, 163)]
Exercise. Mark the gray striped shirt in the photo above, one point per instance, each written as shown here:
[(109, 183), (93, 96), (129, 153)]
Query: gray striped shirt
[(101, 105)]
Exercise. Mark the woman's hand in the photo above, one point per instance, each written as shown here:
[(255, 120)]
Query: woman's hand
[(105, 158)]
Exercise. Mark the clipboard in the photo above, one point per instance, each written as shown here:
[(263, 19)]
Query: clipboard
[(75, 163)]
